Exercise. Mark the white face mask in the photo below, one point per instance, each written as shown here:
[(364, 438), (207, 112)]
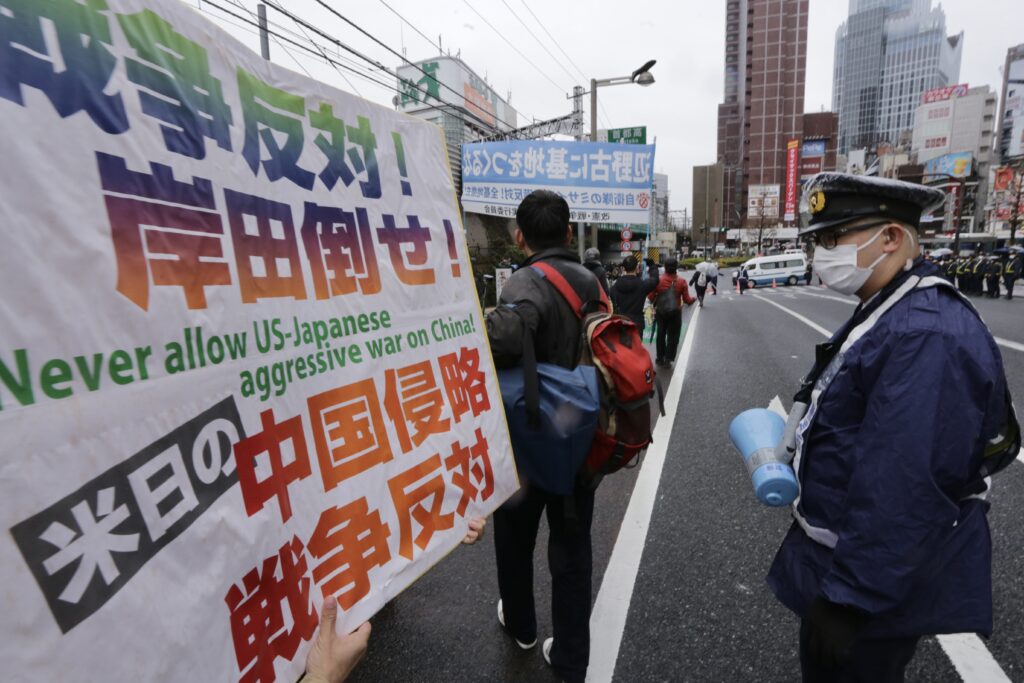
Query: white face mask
[(838, 268)]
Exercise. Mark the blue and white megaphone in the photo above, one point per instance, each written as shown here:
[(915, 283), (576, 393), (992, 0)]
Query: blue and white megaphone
[(755, 433)]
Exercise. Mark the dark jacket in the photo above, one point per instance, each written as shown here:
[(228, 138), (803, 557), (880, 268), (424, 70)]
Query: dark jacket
[(528, 297), (628, 294), (597, 268), (897, 434)]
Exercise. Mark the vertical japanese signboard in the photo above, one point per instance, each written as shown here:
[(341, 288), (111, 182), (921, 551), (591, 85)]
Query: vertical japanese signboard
[(601, 181), (240, 367), (792, 179)]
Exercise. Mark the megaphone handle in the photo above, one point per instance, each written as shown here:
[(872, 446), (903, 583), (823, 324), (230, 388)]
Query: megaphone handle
[(786, 450)]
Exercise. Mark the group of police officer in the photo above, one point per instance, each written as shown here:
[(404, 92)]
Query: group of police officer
[(980, 275)]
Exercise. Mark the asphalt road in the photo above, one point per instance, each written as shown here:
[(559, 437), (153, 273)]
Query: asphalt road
[(700, 609)]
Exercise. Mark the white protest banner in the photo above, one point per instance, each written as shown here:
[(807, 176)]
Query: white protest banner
[(240, 365), (602, 182)]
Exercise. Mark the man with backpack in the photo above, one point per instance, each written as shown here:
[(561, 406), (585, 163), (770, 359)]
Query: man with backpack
[(554, 329), (668, 298), (630, 291), (700, 282), (890, 540)]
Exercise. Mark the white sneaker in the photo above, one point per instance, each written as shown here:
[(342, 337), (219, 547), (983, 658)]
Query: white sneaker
[(521, 644), (546, 649)]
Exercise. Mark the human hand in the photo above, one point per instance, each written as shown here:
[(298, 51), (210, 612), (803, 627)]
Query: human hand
[(333, 657), (476, 530)]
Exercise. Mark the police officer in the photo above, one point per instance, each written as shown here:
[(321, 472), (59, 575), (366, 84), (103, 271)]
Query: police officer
[(886, 546), (993, 274), (1012, 271)]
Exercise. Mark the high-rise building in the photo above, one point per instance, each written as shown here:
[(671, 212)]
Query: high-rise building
[(707, 201), (1011, 111), (949, 121), (765, 59), (889, 52)]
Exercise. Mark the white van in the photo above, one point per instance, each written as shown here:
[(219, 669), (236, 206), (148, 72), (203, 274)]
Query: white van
[(784, 269)]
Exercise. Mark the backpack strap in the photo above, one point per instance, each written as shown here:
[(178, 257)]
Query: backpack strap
[(563, 287)]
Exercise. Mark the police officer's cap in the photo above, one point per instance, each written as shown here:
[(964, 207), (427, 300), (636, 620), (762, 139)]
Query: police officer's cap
[(834, 199)]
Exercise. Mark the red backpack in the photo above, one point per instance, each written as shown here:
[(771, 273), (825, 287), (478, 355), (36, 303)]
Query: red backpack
[(626, 378)]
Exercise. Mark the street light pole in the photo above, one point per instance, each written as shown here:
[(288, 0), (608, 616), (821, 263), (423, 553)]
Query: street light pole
[(641, 76)]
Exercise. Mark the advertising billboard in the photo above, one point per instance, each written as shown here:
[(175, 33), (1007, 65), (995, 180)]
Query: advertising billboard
[(958, 165), (763, 201), (945, 93), (603, 182), (812, 158), (792, 181), (435, 82)]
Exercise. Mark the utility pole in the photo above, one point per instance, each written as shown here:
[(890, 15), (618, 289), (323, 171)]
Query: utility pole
[(760, 226), (577, 114), (261, 11)]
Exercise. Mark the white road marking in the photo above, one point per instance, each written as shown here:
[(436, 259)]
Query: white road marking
[(824, 296), (972, 659), (608, 619), (810, 323), (1008, 343), (775, 405), (1016, 346)]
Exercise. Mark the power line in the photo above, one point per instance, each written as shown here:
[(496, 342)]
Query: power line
[(464, 111), (395, 53), (385, 85), (410, 25), (534, 35), (553, 40), (321, 56), (518, 51), (602, 113), (288, 52)]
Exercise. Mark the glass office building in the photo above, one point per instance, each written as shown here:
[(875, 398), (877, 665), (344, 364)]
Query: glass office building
[(888, 53)]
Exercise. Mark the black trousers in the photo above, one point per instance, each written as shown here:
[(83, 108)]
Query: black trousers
[(1008, 281), (669, 327), (881, 660), (569, 560)]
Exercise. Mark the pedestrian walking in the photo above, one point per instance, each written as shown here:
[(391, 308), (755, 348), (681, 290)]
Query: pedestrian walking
[(699, 282), (592, 262), (629, 293), (668, 298), (543, 233), (1014, 265), (807, 273), (712, 272), (890, 540)]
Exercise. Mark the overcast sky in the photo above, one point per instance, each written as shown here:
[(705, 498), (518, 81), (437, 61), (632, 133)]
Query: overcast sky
[(605, 39)]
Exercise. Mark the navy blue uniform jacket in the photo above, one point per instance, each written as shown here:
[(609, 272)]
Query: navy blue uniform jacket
[(898, 432)]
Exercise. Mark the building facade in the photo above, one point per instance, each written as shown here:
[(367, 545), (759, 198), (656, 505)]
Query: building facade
[(887, 54), (948, 123), (765, 62), (708, 200), (818, 146), (446, 92), (1011, 110)]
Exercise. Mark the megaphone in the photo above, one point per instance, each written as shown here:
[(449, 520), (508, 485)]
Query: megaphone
[(755, 433)]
